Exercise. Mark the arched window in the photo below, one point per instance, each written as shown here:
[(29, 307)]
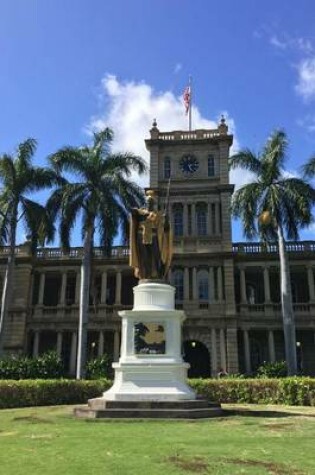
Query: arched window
[(203, 285), (178, 220), (211, 167), (178, 282), (167, 167), (201, 218)]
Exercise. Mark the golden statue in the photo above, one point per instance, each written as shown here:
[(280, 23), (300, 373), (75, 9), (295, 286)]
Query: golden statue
[(151, 241)]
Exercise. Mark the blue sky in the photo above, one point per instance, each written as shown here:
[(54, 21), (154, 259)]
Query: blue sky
[(67, 66)]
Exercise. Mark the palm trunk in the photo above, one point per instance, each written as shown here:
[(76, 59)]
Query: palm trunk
[(287, 307), (84, 303), (8, 282)]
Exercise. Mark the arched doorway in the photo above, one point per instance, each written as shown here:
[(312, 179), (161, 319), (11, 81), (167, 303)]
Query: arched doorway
[(197, 355)]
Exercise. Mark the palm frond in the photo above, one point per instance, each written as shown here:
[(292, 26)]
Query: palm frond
[(308, 169), (247, 160), (25, 152)]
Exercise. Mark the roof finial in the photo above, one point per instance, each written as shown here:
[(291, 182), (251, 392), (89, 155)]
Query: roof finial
[(154, 131), (223, 128)]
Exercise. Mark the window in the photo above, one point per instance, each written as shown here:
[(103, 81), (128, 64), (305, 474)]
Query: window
[(70, 289), (178, 282), (211, 170), (178, 220), (167, 167), (203, 285), (251, 294), (201, 216)]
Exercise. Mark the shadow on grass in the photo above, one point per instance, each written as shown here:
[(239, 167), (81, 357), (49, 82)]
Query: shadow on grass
[(247, 412)]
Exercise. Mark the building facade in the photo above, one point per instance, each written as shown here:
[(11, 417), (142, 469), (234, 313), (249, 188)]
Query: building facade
[(229, 291)]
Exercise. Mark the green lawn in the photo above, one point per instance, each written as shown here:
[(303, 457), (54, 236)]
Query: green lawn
[(48, 440)]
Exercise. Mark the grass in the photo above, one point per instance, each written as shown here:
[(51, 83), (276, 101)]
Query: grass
[(257, 440)]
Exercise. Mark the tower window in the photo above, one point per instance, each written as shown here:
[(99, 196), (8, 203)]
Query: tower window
[(211, 170), (178, 281), (167, 167), (203, 285), (178, 220), (201, 215)]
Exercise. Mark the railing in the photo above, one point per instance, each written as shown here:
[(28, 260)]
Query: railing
[(260, 248), (118, 252), (273, 308), (195, 135)]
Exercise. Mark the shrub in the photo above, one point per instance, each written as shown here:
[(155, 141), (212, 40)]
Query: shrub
[(297, 391), (100, 367), (49, 392), (273, 370), (46, 366), (290, 391)]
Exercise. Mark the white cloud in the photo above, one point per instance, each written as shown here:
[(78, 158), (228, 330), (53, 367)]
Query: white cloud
[(308, 123), (130, 107), (178, 67), (277, 43), (306, 79)]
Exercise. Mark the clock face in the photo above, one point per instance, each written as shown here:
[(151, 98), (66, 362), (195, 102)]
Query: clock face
[(189, 164)]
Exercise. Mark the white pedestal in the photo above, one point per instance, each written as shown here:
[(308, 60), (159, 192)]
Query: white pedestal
[(146, 373)]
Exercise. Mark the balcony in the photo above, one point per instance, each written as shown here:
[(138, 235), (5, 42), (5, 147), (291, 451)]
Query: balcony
[(272, 248), (272, 309)]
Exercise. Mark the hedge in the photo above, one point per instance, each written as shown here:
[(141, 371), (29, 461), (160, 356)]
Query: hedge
[(49, 392), (294, 391), (298, 391)]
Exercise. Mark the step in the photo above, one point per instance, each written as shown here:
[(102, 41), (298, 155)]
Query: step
[(157, 413), (102, 404)]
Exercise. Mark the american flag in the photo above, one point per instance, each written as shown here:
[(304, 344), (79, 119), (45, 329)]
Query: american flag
[(186, 97)]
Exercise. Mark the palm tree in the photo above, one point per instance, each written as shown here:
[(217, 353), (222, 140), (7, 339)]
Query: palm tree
[(18, 179), (274, 206), (102, 195)]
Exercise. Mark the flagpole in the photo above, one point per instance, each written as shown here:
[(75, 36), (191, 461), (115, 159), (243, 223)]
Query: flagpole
[(190, 103)]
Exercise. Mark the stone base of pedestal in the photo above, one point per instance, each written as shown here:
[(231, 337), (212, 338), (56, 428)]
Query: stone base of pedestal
[(100, 408), (147, 382)]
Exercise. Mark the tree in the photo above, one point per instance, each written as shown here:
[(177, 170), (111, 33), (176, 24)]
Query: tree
[(102, 194), (274, 206), (19, 178)]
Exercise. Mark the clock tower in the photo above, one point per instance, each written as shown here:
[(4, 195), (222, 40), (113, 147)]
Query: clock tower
[(196, 164)]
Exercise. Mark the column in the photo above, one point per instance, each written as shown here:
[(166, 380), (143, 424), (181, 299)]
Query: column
[(169, 276), (208, 220), (271, 346), (220, 284), (214, 356), (211, 285), (77, 287), (185, 219), (243, 285), (116, 345), (310, 279), (222, 349), (217, 218), (193, 219), (101, 343), (267, 284), (103, 287), (248, 367), (41, 288), (63, 288), (59, 344), (186, 283), (211, 230), (118, 288), (36, 344), (73, 354), (232, 350), (194, 284)]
